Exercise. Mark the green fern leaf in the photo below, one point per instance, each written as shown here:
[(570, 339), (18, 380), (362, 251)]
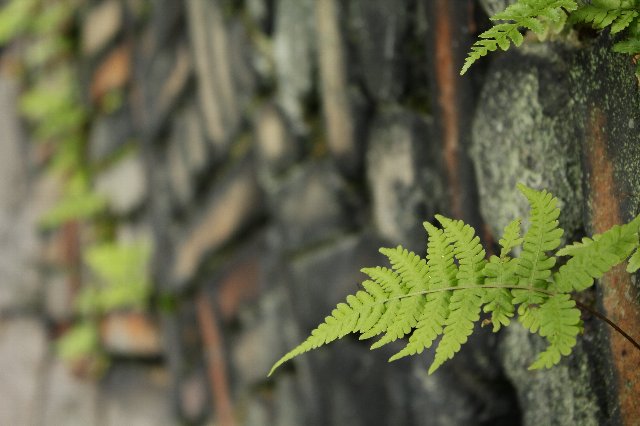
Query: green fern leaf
[(577, 247), (392, 284), (465, 304), (442, 275), (534, 266), (341, 322), (590, 261), (630, 46), (634, 262), (511, 237), (413, 272), (604, 13), (559, 323), (501, 271)]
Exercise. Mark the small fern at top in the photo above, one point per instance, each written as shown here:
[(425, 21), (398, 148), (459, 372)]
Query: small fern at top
[(539, 16), (442, 297), (621, 17)]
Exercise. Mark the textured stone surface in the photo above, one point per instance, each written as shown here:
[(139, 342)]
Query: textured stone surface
[(110, 133), (130, 334), (23, 348), (491, 7), (404, 192), (137, 396), (230, 208), (323, 277), (124, 184), (276, 148), (338, 101), (561, 396), (188, 135), (69, 400), (171, 73), (217, 93), (262, 341), (294, 54), (101, 25), (379, 28), (19, 286), (535, 132), (283, 143), (313, 205)]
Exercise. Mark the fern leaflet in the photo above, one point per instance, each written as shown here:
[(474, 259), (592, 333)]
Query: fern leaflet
[(442, 276), (501, 272), (559, 323), (590, 261), (465, 304)]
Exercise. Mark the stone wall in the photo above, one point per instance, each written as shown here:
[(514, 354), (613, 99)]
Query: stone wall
[(270, 147)]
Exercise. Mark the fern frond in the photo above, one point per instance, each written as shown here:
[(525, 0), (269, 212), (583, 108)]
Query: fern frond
[(559, 323), (603, 13), (536, 15), (594, 257), (442, 274), (501, 271), (413, 272), (465, 304), (444, 294)]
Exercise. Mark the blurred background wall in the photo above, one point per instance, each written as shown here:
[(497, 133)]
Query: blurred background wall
[(187, 187)]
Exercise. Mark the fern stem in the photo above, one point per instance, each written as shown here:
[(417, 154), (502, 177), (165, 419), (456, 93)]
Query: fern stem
[(602, 317)]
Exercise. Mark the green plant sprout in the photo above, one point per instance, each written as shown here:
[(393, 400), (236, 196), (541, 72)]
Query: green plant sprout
[(444, 294), (545, 17)]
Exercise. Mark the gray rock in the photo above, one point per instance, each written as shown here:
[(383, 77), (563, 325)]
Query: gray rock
[(69, 400), (234, 204), (241, 59), (561, 396), (100, 26), (109, 134), (494, 6), (23, 348), (294, 55), (19, 283), (262, 341), (313, 205), (342, 105), (216, 87), (403, 180), (178, 175), (321, 278), (165, 81), (135, 395), (188, 135), (124, 184), (277, 149), (57, 303), (379, 29), (526, 131)]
